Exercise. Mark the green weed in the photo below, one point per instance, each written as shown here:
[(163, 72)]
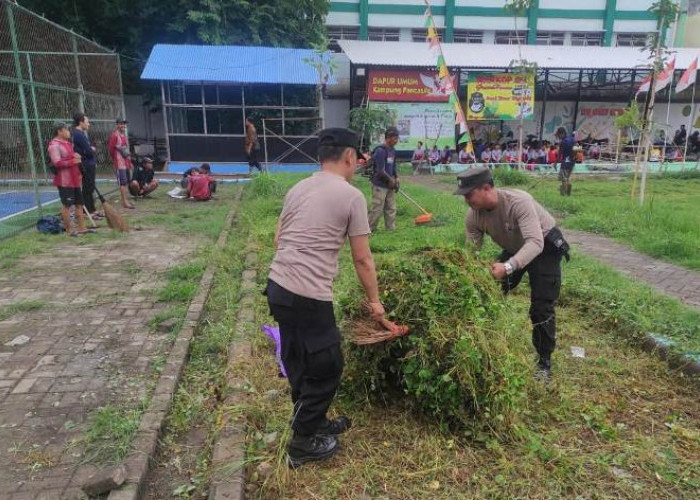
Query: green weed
[(110, 432), (20, 307)]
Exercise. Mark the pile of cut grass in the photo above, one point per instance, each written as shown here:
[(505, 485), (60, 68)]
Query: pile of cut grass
[(457, 365)]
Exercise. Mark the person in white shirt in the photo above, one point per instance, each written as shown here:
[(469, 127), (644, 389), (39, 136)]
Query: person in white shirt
[(466, 156), (496, 154)]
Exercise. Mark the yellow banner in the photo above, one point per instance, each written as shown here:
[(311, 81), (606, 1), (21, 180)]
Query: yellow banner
[(500, 96)]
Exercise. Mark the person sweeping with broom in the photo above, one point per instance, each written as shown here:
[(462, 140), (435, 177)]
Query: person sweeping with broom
[(531, 244), (318, 215)]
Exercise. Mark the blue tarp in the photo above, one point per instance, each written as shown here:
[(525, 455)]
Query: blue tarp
[(232, 63), (179, 167)]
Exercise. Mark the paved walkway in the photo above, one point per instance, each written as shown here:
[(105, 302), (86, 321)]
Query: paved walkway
[(678, 282), (88, 344)]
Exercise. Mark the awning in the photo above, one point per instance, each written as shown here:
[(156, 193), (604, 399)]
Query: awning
[(461, 55), (231, 63)]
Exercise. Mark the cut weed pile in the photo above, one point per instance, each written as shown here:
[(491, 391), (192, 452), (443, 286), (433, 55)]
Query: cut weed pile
[(615, 424), (456, 365)]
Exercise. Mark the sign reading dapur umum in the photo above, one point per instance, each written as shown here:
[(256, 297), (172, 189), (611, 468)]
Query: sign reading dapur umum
[(500, 96), (406, 86)]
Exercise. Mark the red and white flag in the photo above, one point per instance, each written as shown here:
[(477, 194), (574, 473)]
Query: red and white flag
[(644, 87), (665, 78), (688, 77)]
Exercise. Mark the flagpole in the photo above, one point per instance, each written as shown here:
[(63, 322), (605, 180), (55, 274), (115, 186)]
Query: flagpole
[(690, 125), (443, 72)]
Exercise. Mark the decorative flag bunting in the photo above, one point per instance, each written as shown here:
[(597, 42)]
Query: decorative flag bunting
[(688, 77), (446, 80)]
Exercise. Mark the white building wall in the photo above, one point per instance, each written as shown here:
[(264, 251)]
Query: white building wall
[(480, 3), (570, 25), (573, 4), (634, 4), (343, 19), (623, 26), (489, 23), (401, 21)]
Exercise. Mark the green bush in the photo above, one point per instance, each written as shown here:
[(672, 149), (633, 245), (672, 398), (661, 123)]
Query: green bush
[(458, 365), (682, 175), (505, 176)]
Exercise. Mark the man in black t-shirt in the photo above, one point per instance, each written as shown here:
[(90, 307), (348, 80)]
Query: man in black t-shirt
[(566, 160), (143, 181)]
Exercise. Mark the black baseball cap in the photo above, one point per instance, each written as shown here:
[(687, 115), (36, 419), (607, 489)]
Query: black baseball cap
[(472, 179), (391, 132), (121, 120), (339, 137)]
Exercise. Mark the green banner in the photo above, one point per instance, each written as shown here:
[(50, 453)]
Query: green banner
[(430, 123)]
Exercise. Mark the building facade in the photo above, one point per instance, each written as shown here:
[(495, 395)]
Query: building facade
[(606, 23)]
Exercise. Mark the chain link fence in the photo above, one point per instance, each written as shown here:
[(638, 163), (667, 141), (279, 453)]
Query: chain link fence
[(47, 73)]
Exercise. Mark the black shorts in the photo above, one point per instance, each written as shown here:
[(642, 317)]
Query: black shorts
[(70, 196)]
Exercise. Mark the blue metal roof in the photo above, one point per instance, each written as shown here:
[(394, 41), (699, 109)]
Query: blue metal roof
[(232, 63)]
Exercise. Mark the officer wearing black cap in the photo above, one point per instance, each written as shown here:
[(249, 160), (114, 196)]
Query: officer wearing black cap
[(143, 181), (318, 215), (531, 244), (385, 182)]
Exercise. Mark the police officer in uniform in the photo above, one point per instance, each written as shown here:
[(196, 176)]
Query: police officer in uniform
[(318, 215), (531, 244)]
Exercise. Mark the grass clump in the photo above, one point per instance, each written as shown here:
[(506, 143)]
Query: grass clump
[(456, 366), (20, 307), (182, 282), (110, 432), (510, 177), (265, 185)]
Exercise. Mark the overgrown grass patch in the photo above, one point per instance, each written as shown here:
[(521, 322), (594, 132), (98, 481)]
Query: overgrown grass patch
[(616, 423)]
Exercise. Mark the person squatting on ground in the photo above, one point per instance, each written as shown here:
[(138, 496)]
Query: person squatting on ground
[(118, 147), (252, 146), (67, 177), (318, 215), (88, 161), (201, 185), (143, 181), (567, 160), (385, 182), (531, 244)]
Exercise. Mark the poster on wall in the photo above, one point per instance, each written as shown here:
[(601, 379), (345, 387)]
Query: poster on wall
[(430, 123), (500, 96), (407, 86)]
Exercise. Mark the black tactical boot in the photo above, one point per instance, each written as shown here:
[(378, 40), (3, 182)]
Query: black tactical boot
[(302, 449), (544, 369), (335, 427)]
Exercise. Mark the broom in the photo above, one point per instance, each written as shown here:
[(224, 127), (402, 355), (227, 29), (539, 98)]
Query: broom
[(367, 333), (114, 218)]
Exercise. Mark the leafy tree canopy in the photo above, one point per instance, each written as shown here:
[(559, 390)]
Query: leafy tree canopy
[(132, 27)]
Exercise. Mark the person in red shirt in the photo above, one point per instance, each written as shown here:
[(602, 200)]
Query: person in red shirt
[(118, 147), (67, 178), (553, 157), (201, 186)]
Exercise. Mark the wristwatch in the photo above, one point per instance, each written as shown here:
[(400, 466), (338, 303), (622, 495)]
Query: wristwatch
[(509, 268)]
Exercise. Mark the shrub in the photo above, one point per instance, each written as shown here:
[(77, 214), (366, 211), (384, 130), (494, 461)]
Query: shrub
[(264, 185)]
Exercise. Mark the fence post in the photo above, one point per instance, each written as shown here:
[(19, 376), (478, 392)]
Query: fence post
[(23, 104), (39, 136), (81, 90)]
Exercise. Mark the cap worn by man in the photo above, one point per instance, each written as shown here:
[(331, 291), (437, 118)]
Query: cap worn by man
[(338, 137), (472, 179), (121, 120), (391, 132)]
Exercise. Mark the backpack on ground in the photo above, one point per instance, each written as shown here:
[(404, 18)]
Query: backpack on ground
[(50, 224)]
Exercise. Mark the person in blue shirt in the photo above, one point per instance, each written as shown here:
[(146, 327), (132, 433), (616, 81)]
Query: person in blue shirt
[(385, 182), (566, 160), (88, 160)]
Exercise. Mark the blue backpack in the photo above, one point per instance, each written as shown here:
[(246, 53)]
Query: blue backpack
[(50, 224)]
